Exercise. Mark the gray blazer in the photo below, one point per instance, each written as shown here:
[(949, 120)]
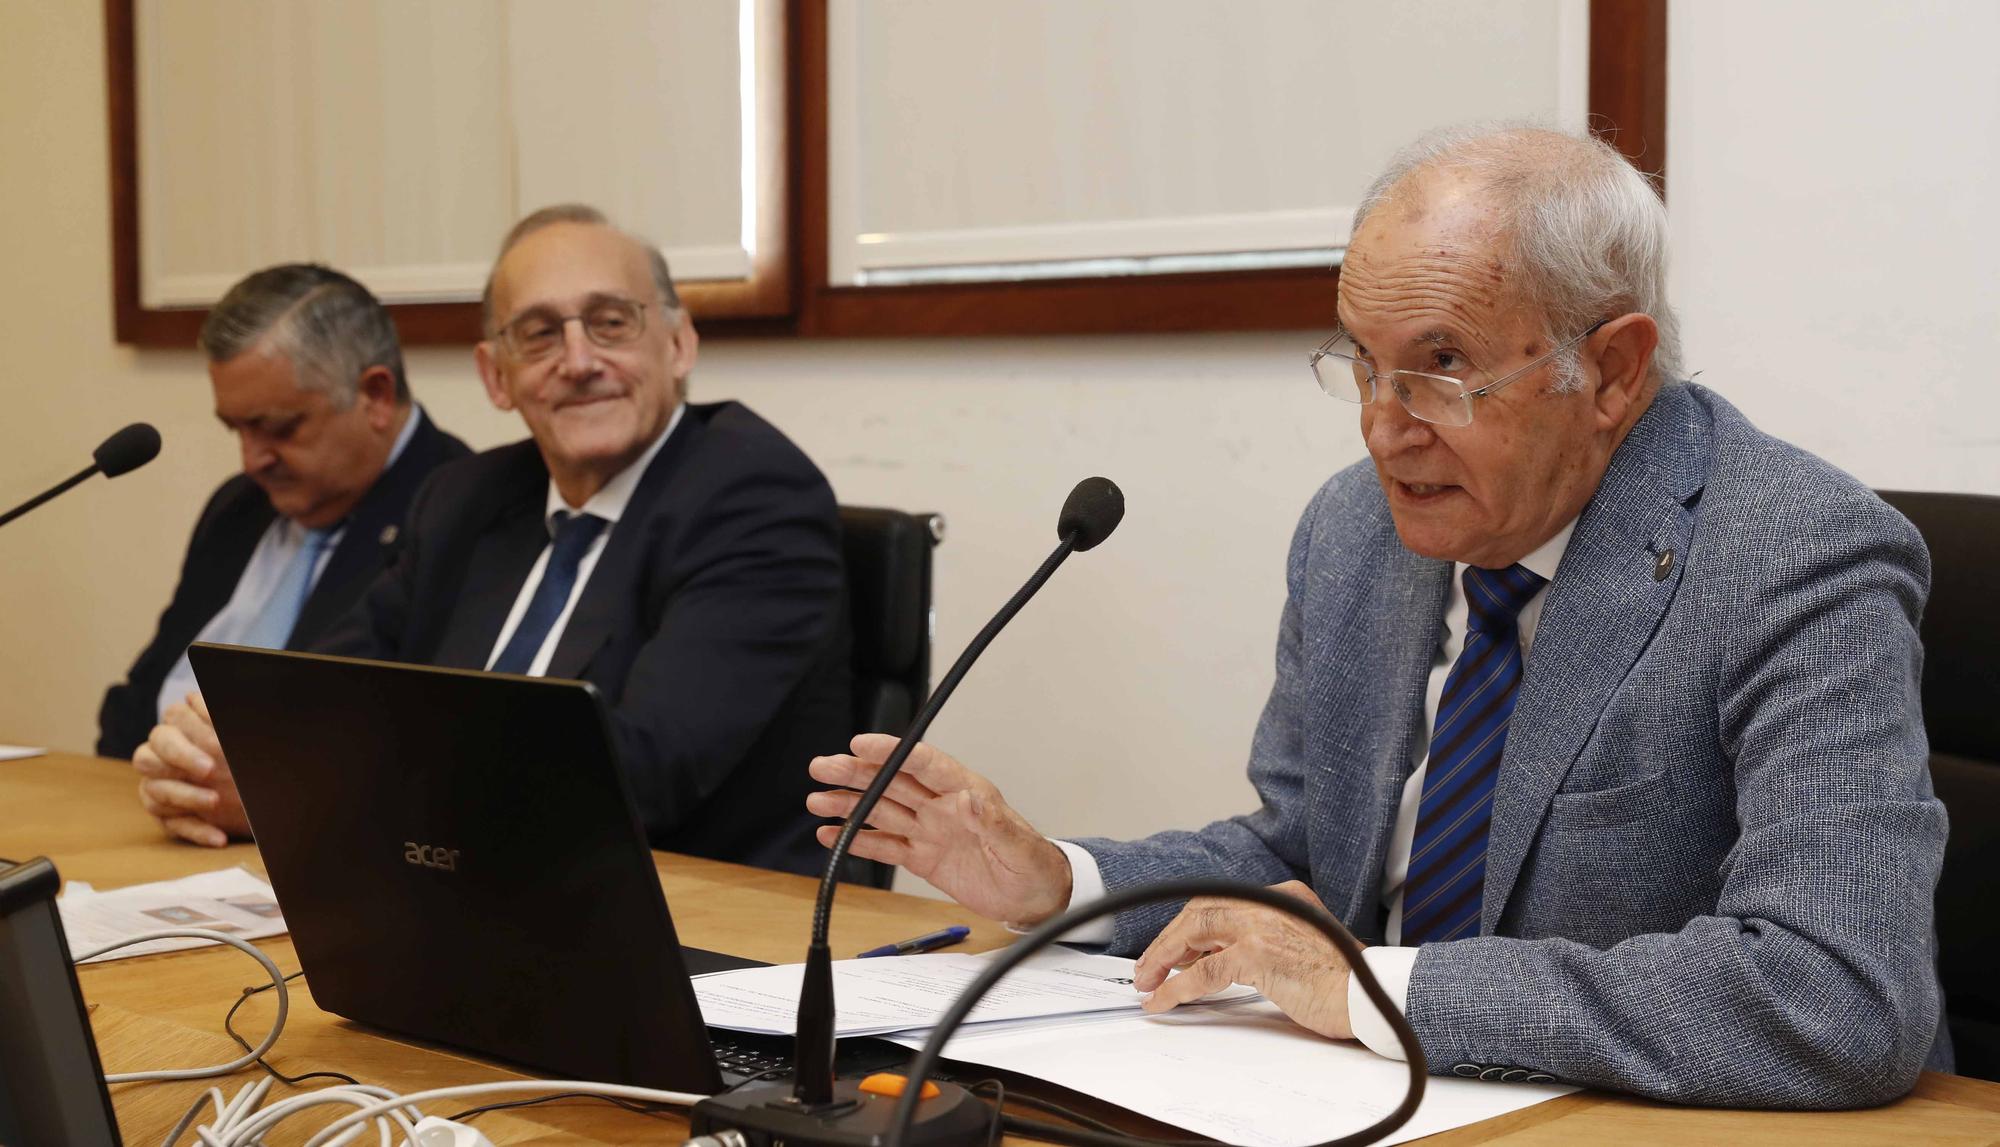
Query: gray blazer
[(1714, 844)]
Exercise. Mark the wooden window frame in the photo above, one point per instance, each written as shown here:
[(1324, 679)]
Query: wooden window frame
[(755, 304), (1627, 105), (788, 293)]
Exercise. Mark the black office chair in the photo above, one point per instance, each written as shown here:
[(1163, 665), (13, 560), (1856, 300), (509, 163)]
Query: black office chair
[(888, 556), (1961, 687)]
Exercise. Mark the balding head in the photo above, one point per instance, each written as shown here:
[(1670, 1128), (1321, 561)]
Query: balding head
[(1495, 307), (1582, 232), (587, 341), (575, 213)]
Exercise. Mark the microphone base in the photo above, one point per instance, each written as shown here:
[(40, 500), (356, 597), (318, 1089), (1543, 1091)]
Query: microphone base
[(766, 1114)]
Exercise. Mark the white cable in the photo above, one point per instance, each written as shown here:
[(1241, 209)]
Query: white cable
[(245, 1125), (239, 1122), (213, 1095), (325, 1138), (245, 1100), (242, 1061)]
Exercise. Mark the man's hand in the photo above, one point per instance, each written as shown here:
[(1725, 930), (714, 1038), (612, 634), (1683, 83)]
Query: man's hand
[(950, 826), (1218, 942), (185, 781)]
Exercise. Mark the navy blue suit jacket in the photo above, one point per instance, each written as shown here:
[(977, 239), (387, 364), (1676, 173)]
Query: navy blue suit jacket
[(225, 536), (714, 623)]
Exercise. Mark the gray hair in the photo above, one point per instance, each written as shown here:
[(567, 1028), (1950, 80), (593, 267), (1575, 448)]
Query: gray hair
[(663, 280), (1587, 231), (328, 325)]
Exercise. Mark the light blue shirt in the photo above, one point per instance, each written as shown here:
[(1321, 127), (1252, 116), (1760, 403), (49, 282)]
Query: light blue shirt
[(281, 543)]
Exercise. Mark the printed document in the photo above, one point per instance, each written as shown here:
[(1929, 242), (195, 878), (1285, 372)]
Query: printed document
[(1239, 1072), (229, 900), (898, 993)]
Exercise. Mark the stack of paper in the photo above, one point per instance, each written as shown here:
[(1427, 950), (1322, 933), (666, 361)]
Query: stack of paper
[(230, 900), (1240, 1072), (1233, 1067), (905, 993)]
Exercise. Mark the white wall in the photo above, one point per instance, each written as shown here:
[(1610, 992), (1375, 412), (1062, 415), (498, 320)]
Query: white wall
[(1834, 182), (1831, 190)]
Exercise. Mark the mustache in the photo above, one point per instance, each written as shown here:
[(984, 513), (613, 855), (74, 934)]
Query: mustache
[(593, 392)]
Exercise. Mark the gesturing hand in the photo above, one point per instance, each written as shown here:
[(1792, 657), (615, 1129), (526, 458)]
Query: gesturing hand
[(950, 826), (185, 781), (1218, 942)]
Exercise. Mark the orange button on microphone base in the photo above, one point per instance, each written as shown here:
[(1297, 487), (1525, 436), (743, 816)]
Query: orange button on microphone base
[(892, 1085)]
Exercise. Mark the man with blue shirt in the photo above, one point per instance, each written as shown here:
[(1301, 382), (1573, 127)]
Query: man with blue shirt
[(1596, 709), (682, 557), (307, 372)]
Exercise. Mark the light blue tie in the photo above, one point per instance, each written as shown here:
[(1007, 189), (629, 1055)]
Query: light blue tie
[(272, 627)]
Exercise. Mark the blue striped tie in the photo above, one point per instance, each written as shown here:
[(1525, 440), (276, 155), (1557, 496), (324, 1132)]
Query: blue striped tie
[(1441, 898)]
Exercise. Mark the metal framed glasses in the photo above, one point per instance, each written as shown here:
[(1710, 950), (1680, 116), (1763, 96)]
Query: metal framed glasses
[(1443, 395), (609, 321)]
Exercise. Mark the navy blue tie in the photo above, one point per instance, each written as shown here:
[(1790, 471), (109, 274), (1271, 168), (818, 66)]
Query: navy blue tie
[(1446, 884), (574, 533)]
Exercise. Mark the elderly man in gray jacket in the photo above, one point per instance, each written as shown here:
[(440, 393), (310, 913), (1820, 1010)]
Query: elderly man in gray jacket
[(1596, 709)]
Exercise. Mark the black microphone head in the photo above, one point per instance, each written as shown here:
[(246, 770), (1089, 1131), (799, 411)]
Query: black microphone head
[(128, 449), (1091, 512)]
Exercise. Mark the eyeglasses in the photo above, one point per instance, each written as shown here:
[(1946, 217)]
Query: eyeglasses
[(537, 333), (1443, 396)]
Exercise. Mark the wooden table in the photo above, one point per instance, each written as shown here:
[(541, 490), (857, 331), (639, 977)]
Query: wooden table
[(166, 1010)]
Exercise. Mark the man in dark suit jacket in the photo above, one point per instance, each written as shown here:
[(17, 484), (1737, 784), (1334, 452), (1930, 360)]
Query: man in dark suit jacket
[(684, 559), (308, 373)]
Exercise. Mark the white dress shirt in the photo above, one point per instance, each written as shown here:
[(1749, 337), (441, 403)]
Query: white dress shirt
[(282, 541), (1391, 964), (608, 503)]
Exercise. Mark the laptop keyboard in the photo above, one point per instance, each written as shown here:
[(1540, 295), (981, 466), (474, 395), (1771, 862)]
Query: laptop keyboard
[(748, 1062), (746, 1055), (743, 1055)]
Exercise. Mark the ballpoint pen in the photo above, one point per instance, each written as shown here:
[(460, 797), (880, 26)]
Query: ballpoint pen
[(943, 937)]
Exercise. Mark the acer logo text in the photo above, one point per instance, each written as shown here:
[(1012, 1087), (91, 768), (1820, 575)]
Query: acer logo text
[(430, 856)]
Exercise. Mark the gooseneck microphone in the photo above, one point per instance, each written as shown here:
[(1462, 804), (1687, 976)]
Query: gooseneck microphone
[(121, 453), (809, 1111), (1092, 510)]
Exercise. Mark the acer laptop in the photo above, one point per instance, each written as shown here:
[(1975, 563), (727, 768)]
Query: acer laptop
[(457, 857), (51, 1083)]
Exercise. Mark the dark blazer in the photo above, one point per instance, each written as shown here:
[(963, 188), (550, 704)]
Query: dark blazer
[(226, 535), (1713, 841), (714, 623)]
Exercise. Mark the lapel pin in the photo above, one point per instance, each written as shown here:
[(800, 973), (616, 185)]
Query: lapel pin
[(389, 534), (1664, 566)]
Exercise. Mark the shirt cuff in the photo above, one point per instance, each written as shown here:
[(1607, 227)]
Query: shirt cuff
[(1086, 884), (1392, 967)]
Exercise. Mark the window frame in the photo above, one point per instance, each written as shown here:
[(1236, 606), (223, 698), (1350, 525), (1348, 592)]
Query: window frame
[(788, 293), (767, 296)]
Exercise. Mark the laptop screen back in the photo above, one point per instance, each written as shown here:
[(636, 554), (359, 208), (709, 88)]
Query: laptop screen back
[(51, 1084), (457, 859)]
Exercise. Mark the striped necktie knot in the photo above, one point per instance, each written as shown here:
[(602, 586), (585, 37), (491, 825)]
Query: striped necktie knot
[(1495, 597)]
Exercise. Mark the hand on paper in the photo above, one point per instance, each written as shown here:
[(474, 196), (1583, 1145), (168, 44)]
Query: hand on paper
[(1219, 942), (185, 781), (950, 826)]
